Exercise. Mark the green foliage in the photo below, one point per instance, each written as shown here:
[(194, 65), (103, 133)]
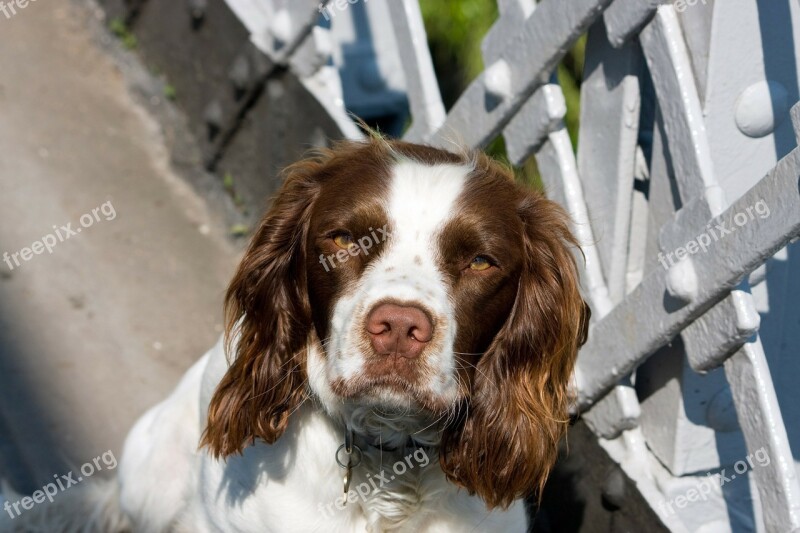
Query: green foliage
[(170, 93), (227, 182), (570, 76), (230, 187), (239, 230), (455, 31), (123, 33)]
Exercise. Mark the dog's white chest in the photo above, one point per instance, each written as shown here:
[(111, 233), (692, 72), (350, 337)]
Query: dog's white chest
[(395, 491)]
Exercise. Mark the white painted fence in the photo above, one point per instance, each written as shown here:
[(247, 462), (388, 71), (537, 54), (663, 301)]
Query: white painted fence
[(685, 196)]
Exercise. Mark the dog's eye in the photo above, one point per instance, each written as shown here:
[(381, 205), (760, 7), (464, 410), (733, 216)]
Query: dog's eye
[(480, 263), (343, 240)]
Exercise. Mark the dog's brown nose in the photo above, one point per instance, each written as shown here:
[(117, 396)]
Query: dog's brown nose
[(399, 330)]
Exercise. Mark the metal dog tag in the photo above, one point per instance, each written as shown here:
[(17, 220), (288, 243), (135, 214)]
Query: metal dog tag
[(348, 448)]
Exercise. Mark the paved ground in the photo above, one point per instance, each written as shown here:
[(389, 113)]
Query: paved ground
[(101, 328)]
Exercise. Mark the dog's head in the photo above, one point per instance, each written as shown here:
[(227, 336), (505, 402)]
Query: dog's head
[(404, 278)]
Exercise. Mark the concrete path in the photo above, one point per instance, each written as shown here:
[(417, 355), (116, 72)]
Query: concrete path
[(100, 329)]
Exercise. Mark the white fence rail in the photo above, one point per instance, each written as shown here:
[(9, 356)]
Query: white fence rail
[(675, 209)]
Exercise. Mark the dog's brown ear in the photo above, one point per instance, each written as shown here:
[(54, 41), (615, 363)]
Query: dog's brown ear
[(506, 444), (267, 315)]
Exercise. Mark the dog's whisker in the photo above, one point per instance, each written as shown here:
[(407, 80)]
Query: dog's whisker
[(481, 372)]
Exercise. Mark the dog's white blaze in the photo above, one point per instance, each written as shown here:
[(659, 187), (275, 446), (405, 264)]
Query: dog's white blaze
[(421, 201)]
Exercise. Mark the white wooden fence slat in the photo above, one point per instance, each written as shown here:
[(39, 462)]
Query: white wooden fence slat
[(637, 242), (545, 109), (763, 427), (665, 48), (713, 337), (513, 14), (671, 70), (609, 128), (795, 114), (531, 55), (621, 341), (616, 412), (541, 115), (425, 100), (625, 18)]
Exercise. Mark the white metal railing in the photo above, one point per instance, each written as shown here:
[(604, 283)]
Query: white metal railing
[(700, 304)]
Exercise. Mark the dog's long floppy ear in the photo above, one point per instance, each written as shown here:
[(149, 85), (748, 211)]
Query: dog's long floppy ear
[(506, 443), (267, 316)]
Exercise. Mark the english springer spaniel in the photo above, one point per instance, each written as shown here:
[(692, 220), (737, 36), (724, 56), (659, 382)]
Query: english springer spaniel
[(400, 339)]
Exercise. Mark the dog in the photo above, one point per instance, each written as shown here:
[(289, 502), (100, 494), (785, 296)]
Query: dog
[(400, 340)]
